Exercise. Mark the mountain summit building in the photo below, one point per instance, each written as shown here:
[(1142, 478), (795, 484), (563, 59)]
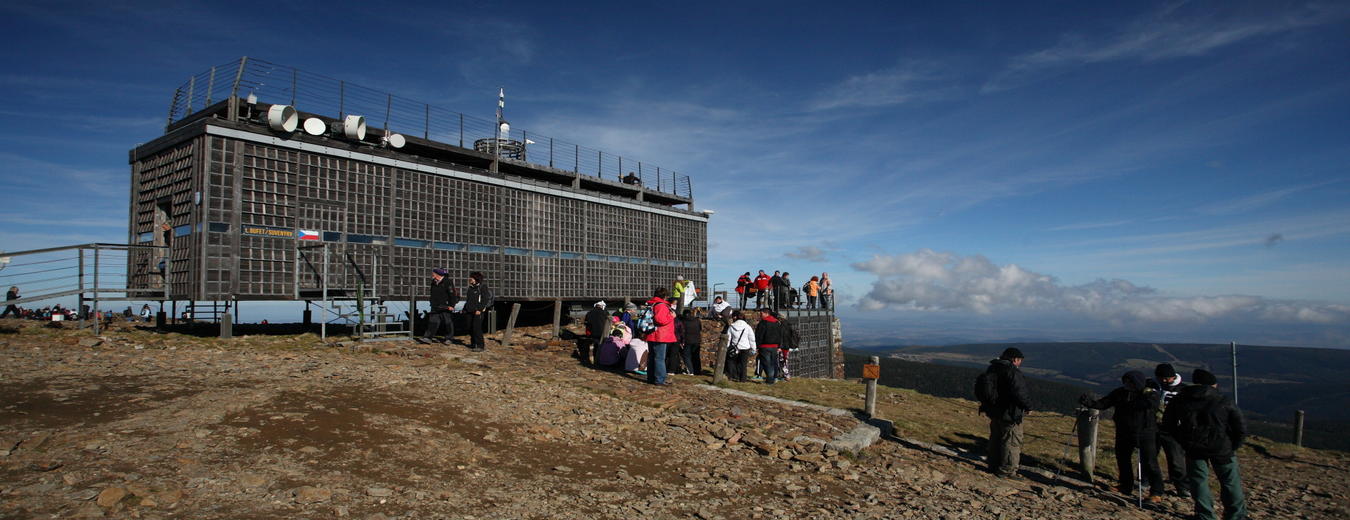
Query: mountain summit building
[(270, 183)]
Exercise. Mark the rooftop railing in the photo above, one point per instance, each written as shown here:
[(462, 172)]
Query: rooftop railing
[(319, 94)]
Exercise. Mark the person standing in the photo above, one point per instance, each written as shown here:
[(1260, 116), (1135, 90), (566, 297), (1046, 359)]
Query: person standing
[(812, 290), (1010, 405), (659, 340), (11, 295), (442, 299), (826, 291), (687, 295), (769, 335), (762, 283), (1210, 428), (776, 285), (744, 288), (598, 325), (789, 299), (691, 335), (1136, 428), (677, 293), (1167, 382), (740, 341), (477, 300)]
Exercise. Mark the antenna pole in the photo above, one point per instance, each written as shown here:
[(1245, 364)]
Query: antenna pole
[(1233, 346)]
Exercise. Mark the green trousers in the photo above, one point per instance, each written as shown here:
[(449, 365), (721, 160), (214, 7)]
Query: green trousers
[(1230, 487)]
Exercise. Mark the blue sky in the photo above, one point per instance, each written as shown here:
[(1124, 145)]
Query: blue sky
[(1151, 171)]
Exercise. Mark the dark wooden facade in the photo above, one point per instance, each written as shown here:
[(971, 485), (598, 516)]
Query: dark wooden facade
[(249, 212)]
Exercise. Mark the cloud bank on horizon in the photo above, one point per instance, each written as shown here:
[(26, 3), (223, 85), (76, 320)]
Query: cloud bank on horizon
[(927, 280)]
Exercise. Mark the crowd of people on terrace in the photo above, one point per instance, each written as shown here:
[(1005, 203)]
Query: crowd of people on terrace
[(778, 292)]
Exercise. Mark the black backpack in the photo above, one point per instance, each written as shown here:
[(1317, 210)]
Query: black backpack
[(791, 338), (1201, 431), (986, 391)]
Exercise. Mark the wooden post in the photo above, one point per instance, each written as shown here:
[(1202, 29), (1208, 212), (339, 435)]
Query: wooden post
[(1086, 426), (557, 317), (720, 363), (874, 373), (510, 325), (226, 325), (1298, 428)]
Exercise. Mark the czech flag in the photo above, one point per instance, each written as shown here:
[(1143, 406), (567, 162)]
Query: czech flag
[(306, 234)]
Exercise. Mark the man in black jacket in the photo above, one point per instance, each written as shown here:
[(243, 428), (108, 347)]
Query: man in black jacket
[(1167, 382), (12, 294), (691, 339), (443, 302), (1210, 428), (1006, 413), (1136, 428), (597, 328), (477, 300)]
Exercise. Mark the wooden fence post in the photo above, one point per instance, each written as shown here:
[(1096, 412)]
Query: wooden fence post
[(510, 325)]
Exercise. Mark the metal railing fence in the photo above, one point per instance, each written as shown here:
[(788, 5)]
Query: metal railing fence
[(89, 273), (319, 94)]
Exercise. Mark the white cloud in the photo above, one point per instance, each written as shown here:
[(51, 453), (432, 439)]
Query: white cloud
[(893, 86), (941, 281), (1254, 202), (808, 253), (1168, 34)]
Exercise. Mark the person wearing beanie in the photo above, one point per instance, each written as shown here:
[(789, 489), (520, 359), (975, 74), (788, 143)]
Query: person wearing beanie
[(1010, 404), (443, 298), (478, 300), (1210, 428), (1136, 408), (1167, 382), (597, 329)]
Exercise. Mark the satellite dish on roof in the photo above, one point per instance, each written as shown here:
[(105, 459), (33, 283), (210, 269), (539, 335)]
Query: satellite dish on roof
[(395, 140), (283, 118), (315, 126), (354, 127)]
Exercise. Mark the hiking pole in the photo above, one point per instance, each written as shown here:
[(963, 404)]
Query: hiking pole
[(1139, 476)]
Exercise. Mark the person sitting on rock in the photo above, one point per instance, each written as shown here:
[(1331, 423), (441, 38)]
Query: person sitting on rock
[(611, 349)]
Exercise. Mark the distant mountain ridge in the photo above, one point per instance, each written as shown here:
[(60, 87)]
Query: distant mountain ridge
[(1273, 382)]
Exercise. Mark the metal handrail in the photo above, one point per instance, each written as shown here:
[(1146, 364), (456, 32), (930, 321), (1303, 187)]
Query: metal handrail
[(319, 94)]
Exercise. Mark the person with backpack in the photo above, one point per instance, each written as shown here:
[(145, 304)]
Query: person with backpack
[(1210, 428), (1167, 382), (477, 300), (658, 328), (1136, 408), (740, 341), (769, 334), (812, 290), (1002, 391)]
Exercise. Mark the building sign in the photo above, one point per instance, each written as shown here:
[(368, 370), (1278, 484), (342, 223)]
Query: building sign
[(265, 231)]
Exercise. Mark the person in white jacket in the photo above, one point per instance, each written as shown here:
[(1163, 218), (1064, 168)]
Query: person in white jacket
[(740, 343)]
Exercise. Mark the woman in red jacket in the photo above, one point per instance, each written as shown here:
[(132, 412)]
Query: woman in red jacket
[(661, 338)]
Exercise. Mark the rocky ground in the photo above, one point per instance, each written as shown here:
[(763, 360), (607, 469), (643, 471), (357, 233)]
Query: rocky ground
[(140, 424)]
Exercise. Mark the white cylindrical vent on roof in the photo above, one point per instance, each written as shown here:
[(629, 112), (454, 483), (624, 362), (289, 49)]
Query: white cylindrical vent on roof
[(354, 127), (315, 126), (283, 118), (395, 140)]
